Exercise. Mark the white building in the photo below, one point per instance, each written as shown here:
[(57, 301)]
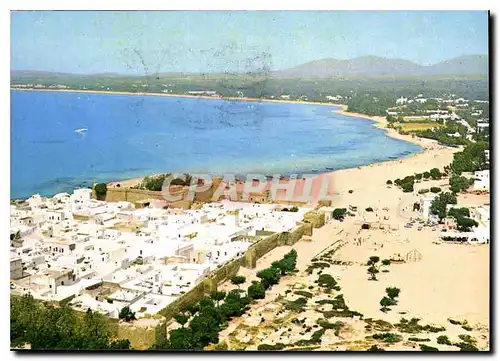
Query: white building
[(425, 206), (401, 101), (482, 180)]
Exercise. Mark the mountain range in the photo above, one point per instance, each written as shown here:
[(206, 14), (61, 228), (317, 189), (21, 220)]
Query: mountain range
[(325, 68), (373, 65)]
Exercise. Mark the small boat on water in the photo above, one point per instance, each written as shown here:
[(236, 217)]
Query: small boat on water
[(81, 131), (329, 168), (314, 170)]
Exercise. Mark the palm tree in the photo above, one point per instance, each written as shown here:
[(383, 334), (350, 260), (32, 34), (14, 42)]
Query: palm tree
[(372, 270), (392, 292)]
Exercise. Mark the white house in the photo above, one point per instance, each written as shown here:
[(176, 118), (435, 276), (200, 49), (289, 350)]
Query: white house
[(482, 180), (401, 101)]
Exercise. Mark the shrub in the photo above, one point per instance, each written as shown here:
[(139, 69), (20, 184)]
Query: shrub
[(389, 182), (435, 173), (468, 339), (435, 189), (369, 209), (304, 293), (423, 191), (296, 305), (266, 347), (256, 291), (375, 348), (428, 348), (330, 326), (377, 325), (339, 213), (327, 281), (443, 340), (238, 280)]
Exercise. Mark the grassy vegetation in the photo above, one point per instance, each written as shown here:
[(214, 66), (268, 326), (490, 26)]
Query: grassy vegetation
[(330, 326), (428, 348), (416, 126), (413, 326), (417, 339), (387, 337), (377, 325), (304, 294)]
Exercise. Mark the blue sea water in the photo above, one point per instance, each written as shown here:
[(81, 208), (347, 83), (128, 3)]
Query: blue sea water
[(132, 136)]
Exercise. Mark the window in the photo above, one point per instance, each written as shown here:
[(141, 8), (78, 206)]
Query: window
[(62, 283)]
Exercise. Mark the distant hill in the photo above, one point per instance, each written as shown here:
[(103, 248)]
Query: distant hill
[(467, 64), (362, 66), (373, 65)]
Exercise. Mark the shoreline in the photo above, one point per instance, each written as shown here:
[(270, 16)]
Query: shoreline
[(427, 145)]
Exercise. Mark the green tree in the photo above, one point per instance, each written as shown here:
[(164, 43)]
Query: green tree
[(471, 159), (438, 205), (427, 175), (120, 345), (205, 330), (459, 183), (372, 270), (182, 339), (256, 291), (339, 213), (392, 292), (386, 262), (269, 276), (95, 331), (465, 224), (126, 314), (101, 190), (385, 302), (218, 296), (373, 260), (181, 318), (435, 173), (238, 280), (287, 264)]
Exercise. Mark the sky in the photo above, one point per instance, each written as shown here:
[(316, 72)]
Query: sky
[(142, 42)]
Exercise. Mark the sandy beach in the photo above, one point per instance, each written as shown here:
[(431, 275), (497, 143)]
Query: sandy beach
[(438, 281)]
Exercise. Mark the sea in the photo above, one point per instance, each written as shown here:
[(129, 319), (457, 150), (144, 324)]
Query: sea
[(64, 140)]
